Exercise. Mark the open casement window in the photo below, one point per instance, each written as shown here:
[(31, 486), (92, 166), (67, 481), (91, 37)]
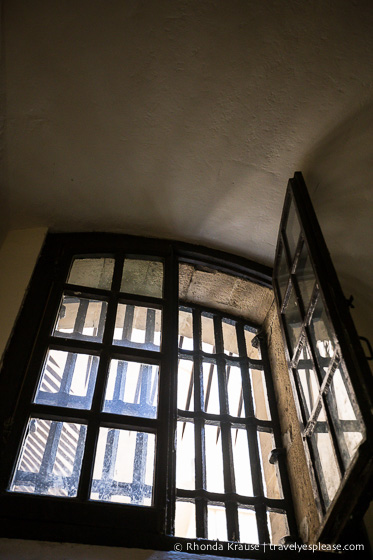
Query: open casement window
[(331, 381)]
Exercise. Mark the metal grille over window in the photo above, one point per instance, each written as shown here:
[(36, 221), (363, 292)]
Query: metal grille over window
[(333, 428), (226, 478), (102, 366)]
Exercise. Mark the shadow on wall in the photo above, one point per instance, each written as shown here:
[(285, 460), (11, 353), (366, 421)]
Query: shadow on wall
[(339, 175)]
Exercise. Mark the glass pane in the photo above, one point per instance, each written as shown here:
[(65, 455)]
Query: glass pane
[(142, 277), (305, 276), (293, 321), (346, 419), (124, 467), (269, 471), (252, 351), (292, 230), (278, 526), (282, 274), (185, 330), (234, 389), (185, 467), (50, 458), (230, 339), (322, 337), (216, 523), (67, 379), (247, 525), (93, 273), (210, 388), (138, 327), (185, 385), (308, 381), (259, 389), (208, 335), (132, 389), (81, 319), (185, 520), (325, 462), (214, 459), (241, 461)]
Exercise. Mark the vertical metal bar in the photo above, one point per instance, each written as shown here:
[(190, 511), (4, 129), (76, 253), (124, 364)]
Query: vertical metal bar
[(49, 457), (74, 479), (139, 468), (107, 478)]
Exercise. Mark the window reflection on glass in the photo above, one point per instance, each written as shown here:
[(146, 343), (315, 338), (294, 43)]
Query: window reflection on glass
[(67, 380), (185, 520), (346, 418), (210, 388), (325, 461), (185, 466), (208, 334), (124, 467), (322, 337), (293, 321), (138, 327), (185, 385), (81, 319), (214, 459), (308, 381), (92, 272), (132, 389), (283, 273), (185, 329), (305, 276), (248, 526), (292, 230), (241, 461), (142, 277), (269, 470), (50, 459), (216, 522)]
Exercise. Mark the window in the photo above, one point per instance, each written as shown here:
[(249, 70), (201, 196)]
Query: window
[(120, 375)]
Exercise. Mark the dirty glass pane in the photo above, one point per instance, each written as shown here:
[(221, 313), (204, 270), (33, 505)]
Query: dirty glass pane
[(252, 351), (132, 389), (248, 526), (346, 418), (50, 459), (292, 230), (142, 277), (308, 381), (234, 390), (214, 459), (230, 339), (216, 523), (269, 470), (259, 389), (67, 379), (185, 467), (93, 273), (81, 319), (293, 321), (208, 335), (185, 520), (305, 276), (241, 461), (138, 327), (322, 337), (124, 467), (185, 330), (277, 525), (185, 385), (210, 388), (283, 273), (325, 462)]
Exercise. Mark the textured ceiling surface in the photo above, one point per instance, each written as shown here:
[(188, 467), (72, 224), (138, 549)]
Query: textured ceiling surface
[(185, 119)]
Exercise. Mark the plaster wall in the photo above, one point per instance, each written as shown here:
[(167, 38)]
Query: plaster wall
[(18, 255)]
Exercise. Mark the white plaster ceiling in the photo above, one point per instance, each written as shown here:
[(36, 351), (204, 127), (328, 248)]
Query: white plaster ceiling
[(185, 119)]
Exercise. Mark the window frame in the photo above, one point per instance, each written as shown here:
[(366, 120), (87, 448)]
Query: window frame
[(351, 498)]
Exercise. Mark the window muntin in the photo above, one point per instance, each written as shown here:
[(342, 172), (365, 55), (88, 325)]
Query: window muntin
[(231, 474)]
